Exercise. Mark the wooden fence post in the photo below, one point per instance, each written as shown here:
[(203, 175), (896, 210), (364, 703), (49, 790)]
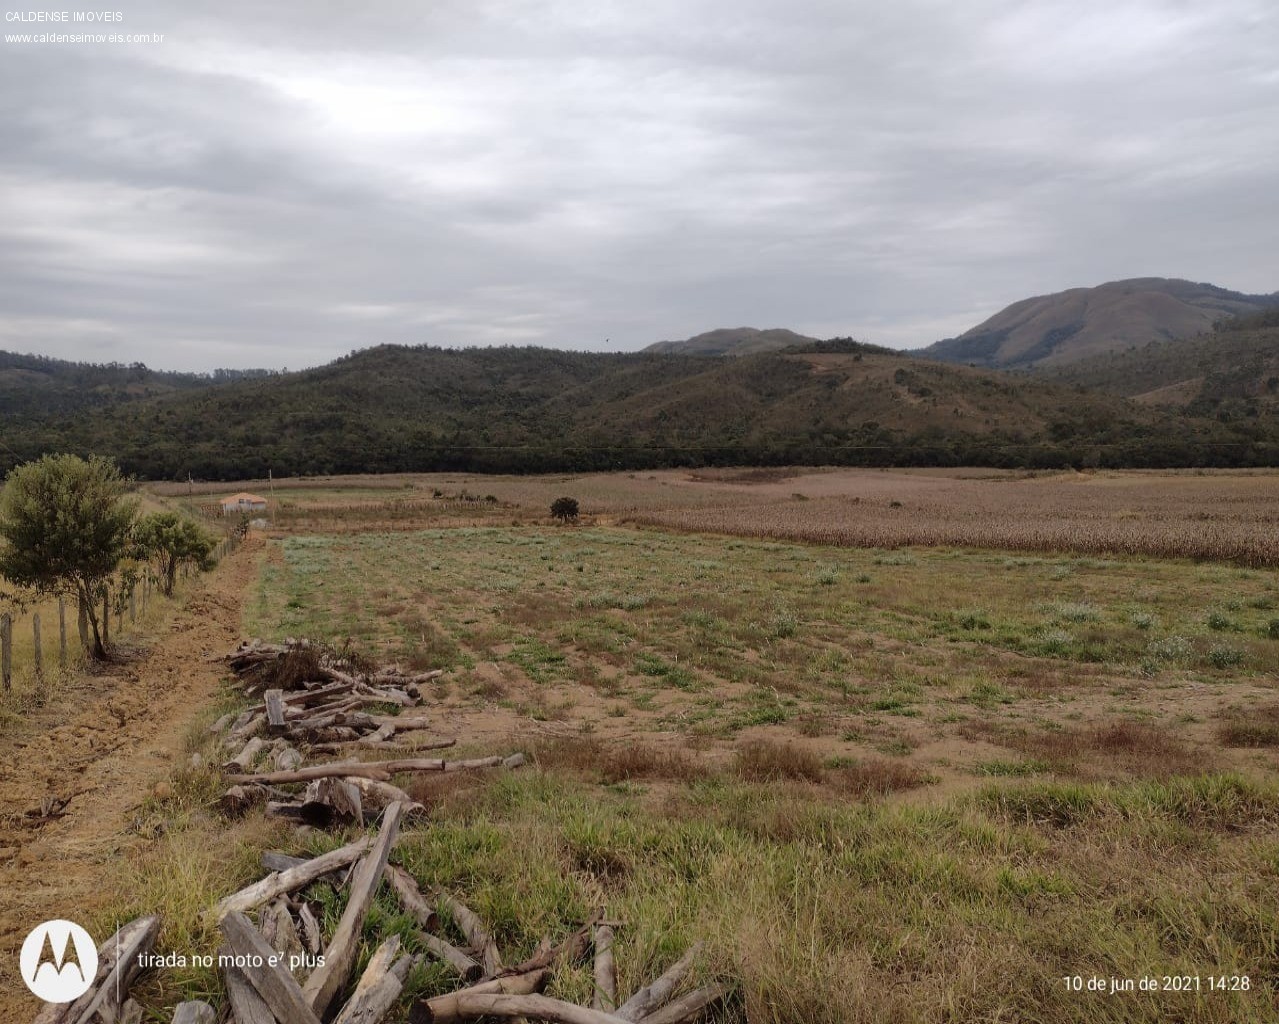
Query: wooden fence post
[(39, 648), (6, 650), (62, 633)]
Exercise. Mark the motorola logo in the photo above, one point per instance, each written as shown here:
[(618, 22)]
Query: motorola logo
[(59, 961)]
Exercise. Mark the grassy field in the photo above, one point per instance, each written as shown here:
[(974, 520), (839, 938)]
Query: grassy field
[(894, 782), (912, 784)]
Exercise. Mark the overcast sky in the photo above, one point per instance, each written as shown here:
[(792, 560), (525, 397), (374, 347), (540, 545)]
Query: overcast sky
[(277, 184)]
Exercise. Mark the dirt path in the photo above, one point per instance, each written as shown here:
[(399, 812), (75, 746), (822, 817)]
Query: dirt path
[(105, 741)]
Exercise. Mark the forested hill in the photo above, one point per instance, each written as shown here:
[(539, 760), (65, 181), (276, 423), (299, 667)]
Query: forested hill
[(39, 386), (396, 408), (1230, 374)]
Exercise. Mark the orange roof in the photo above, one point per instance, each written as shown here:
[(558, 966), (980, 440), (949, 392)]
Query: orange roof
[(243, 498)]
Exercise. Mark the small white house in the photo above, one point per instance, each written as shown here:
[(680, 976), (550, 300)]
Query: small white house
[(243, 502)]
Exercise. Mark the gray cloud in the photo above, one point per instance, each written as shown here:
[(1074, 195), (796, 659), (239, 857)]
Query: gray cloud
[(278, 184)]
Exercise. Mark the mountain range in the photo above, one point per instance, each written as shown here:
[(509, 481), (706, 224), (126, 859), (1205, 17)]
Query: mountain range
[(1210, 399)]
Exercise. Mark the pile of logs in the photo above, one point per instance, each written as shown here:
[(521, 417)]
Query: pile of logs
[(281, 968), (307, 993), (322, 711)]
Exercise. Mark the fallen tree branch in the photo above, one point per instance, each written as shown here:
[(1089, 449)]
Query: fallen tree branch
[(326, 980), (657, 992), (279, 882)]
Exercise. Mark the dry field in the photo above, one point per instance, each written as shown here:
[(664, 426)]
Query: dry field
[(1215, 515), (891, 782)]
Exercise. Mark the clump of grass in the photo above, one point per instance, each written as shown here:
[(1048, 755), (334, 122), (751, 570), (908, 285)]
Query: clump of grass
[(1220, 622), (618, 761), (769, 761), (1143, 621), (1075, 611), (876, 777), (1253, 727), (1225, 656), (1046, 803), (1012, 769), (1172, 648), (1053, 642)]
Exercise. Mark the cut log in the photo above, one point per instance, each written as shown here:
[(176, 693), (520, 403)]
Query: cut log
[(312, 697), (238, 799), (514, 761), (332, 800), (287, 760), (325, 981), (114, 989), (274, 984), (653, 995), (123, 947), (471, 1004), (570, 951), (130, 1012), (194, 1012), (378, 794), (476, 933), (310, 928), (279, 882), (411, 898), (274, 861), (289, 810), (688, 1007), (369, 770), (376, 990), (222, 722), (245, 726), (444, 1009), (380, 770), (246, 1004), (605, 997), (284, 934), (274, 711), (469, 970), (247, 754)]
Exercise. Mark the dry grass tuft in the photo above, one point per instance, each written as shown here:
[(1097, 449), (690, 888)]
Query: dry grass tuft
[(769, 761), (1138, 748), (876, 777), (618, 762), (1254, 727)]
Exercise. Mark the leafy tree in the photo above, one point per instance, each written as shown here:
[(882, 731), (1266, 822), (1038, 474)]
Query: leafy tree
[(65, 525), (565, 510), (173, 541)]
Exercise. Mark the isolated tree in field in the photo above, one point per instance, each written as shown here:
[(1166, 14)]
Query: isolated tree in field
[(564, 509), (65, 525), (172, 541)]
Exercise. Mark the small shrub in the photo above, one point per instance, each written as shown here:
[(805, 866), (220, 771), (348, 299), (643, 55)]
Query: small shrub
[(1225, 656), (1170, 648), (1272, 629), (1220, 622), (1143, 621)]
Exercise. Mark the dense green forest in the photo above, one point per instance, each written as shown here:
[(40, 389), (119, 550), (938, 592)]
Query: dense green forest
[(397, 408)]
